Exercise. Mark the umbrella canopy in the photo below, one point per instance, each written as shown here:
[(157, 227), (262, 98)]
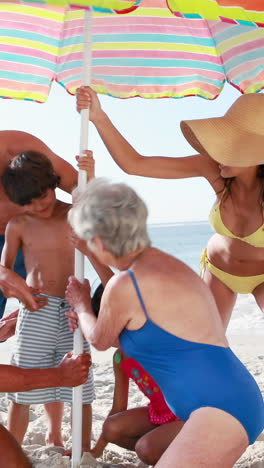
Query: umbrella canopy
[(238, 11), (148, 52)]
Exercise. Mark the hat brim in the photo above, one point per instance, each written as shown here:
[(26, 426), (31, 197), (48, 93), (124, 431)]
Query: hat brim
[(224, 141)]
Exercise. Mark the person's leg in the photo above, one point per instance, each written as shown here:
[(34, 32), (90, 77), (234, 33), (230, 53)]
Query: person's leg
[(17, 420), (153, 444), (125, 428), (2, 297), (225, 298), (11, 454), (211, 438), (54, 414), (258, 293), (86, 427), (35, 338)]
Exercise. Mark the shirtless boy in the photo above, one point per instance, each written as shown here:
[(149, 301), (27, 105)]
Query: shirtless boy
[(12, 143), (42, 336)]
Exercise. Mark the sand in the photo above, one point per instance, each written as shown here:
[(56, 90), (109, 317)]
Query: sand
[(246, 337)]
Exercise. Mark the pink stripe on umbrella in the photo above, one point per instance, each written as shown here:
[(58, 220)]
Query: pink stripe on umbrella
[(29, 27), (23, 86), (243, 68), (155, 71), (64, 75), (25, 18), (243, 48), (26, 68), (155, 20)]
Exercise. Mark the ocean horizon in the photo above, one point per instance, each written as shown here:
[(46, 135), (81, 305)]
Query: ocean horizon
[(177, 223)]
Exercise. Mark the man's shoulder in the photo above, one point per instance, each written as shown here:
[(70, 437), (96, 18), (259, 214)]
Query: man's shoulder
[(13, 141), (7, 136)]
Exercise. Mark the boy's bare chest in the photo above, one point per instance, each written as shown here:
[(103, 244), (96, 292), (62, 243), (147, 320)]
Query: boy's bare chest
[(48, 235)]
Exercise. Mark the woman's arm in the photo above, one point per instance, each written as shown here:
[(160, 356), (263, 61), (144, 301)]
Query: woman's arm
[(131, 161), (102, 332), (120, 398)]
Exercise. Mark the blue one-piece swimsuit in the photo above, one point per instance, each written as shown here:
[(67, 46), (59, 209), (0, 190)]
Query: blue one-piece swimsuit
[(195, 375)]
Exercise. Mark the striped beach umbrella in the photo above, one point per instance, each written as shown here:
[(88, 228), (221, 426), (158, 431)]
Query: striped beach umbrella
[(149, 52), (147, 48)]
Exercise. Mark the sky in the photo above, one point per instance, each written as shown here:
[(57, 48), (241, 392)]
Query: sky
[(150, 125)]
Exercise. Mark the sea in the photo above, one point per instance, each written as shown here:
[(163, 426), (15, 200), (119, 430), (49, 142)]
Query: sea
[(184, 240)]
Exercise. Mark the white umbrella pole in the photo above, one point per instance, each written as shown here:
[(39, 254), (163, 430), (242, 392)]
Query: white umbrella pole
[(79, 257)]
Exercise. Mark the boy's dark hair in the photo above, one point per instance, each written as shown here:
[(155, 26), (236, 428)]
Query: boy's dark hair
[(29, 175)]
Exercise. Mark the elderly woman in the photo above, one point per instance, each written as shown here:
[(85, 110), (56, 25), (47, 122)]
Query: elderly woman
[(164, 316)]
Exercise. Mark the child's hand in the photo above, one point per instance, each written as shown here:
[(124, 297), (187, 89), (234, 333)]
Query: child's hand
[(86, 163)]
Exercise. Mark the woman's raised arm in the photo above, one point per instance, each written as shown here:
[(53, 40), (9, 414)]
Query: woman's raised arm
[(130, 161)]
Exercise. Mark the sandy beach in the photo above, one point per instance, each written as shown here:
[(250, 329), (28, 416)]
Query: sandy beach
[(246, 337)]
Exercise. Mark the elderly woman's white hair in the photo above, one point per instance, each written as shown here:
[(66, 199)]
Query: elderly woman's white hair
[(115, 213)]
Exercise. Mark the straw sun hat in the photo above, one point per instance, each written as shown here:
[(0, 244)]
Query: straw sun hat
[(237, 138)]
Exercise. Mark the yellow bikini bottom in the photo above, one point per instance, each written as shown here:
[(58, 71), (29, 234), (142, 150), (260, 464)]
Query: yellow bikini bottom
[(237, 284)]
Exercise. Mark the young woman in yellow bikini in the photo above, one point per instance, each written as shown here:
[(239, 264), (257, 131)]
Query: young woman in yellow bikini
[(231, 151)]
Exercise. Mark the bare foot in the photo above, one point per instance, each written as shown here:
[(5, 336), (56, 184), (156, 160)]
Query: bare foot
[(68, 453), (53, 441)]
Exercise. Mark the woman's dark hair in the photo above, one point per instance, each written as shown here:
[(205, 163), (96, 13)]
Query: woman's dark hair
[(260, 174), (29, 175), (96, 299)]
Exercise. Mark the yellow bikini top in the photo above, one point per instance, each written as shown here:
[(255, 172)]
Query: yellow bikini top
[(256, 238)]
